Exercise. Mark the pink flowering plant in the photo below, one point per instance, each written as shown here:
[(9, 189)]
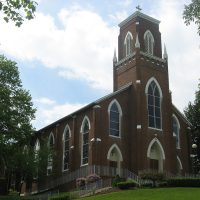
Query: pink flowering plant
[(93, 178)]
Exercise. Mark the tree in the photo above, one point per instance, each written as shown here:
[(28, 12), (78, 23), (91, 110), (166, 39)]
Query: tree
[(191, 13), (192, 112), (17, 10), (16, 114)]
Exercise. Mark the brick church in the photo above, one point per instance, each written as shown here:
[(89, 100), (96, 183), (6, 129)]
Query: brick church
[(132, 129)]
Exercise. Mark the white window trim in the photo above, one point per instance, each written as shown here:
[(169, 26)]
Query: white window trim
[(120, 117), (81, 131), (50, 167), (161, 97), (118, 149), (153, 41), (155, 140), (180, 163), (63, 142), (37, 145), (125, 43), (179, 127)]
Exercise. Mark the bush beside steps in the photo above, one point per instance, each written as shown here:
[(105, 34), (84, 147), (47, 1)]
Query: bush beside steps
[(183, 182), (127, 185)]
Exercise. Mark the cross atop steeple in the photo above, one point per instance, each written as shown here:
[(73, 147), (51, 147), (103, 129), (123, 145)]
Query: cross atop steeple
[(138, 8)]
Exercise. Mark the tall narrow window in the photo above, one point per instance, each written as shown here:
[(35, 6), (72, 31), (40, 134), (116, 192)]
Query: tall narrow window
[(176, 130), (85, 141), (128, 44), (50, 156), (37, 148), (66, 138), (36, 152), (154, 105), (149, 42), (114, 118)]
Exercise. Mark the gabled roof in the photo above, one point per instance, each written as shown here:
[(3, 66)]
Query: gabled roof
[(139, 14), (181, 115), (122, 89)]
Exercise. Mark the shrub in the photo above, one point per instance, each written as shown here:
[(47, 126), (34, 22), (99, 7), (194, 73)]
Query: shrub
[(80, 182), (154, 176), (162, 184), (8, 197), (61, 196), (126, 185), (92, 178), (116, 180), (183, 182), (146, 185)]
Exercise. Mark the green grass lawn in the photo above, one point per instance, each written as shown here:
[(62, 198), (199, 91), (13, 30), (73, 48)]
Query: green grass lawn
[(151, 194)]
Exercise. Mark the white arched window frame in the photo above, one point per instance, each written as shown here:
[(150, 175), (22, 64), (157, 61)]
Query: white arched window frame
[(66, 147), (128, 43), (37, 148), (179, 163), (36, 155), (115, 118), (51, 143), (154, 103), (176, 130), (155, 141), (149, 42), (155, 151), (85, 128)]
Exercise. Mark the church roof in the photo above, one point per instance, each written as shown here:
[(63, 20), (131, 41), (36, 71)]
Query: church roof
[(181, 115), (122, 89), (138, 14)]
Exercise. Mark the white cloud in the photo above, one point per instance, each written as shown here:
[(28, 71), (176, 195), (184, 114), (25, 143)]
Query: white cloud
[(182, 45), (48, 111), (82, 49), (45, 101), (125, 3), (118, 17)]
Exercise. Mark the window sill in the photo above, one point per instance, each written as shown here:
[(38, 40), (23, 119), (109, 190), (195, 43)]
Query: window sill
[(64, 171), (160, 130), (118, 137), (83, 165)]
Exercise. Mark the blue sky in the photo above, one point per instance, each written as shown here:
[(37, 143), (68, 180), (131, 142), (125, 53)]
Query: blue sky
[(65, 54)]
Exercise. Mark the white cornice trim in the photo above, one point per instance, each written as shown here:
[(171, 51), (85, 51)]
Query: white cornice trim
[(125, 59), (138, 14), (152, 57)]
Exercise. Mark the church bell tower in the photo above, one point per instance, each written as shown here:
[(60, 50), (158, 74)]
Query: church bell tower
[(141, 62)]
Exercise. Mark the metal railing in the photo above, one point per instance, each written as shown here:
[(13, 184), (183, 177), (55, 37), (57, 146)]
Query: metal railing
[(103, 171)]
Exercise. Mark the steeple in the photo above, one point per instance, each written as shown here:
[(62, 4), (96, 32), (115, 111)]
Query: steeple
[(137, 43), (115, 57), (165, 56)]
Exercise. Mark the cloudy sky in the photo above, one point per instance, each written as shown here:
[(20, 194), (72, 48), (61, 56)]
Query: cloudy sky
[(65, 54)]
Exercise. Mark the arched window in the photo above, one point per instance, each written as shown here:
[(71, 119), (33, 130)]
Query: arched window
[(115, 114), (154, 95), (176, 130), (36, 152), (37, 148), (149, 42), (128, 44), (66, 147), (156, 154), (50, 156), (85, 141)]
